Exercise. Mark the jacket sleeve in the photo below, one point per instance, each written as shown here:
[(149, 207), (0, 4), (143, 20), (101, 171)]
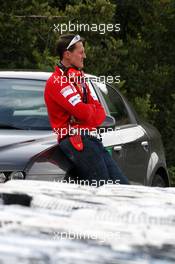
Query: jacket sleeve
[(68, 98), (100, 112), (100, 115)]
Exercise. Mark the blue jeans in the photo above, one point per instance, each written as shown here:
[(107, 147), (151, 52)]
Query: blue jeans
[(94, 164)]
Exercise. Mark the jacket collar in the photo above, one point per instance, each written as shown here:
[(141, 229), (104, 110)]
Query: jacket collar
[(58, 70)]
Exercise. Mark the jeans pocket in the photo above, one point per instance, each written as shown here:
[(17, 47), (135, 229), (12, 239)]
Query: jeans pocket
[(67, 148)]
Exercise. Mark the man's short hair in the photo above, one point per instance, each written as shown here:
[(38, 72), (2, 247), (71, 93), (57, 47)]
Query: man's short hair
[(63, 43)]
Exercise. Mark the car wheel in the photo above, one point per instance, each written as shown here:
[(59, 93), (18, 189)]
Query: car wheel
[(158, 181)]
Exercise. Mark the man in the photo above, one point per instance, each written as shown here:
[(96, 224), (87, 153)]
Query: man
[(71, 108)]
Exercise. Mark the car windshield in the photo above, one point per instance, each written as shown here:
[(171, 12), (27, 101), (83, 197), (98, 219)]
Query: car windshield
[(22, 104)]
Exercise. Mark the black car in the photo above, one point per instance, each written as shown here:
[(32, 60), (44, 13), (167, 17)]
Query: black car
[(29, 148)]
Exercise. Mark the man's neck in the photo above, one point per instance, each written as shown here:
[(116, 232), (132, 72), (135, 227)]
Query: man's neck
[(66, 64)]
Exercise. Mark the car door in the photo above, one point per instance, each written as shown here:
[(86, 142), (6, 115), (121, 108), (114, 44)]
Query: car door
[(108, 138), (129, 141)]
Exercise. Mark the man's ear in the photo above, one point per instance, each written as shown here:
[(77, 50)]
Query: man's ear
[(67, 54)]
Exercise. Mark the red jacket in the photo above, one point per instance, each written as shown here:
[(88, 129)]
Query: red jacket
[(63, 101)]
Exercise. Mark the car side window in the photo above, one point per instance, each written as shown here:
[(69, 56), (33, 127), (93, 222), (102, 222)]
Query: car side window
[(22, 104), (115, 104), (92, 90)]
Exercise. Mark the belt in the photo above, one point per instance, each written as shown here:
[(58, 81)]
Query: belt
[(86, 133), (82, 132), (94, 136)]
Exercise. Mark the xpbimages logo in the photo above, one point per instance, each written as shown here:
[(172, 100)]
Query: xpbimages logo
[(81, 79), (94, 132), (98, 235), (101, 28)]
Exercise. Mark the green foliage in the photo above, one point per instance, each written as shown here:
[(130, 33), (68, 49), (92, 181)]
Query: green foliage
[(25, 34), (148, 68), (144, 107), (171, 171)]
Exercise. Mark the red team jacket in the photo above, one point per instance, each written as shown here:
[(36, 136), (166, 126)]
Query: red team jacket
[(64, 101)]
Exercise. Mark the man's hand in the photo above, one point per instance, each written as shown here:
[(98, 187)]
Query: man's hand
[(74, 120)]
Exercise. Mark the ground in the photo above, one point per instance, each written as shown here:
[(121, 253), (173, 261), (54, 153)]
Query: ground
[(68, 223)]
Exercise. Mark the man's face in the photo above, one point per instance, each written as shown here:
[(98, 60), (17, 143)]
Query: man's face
[(77, 56)]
